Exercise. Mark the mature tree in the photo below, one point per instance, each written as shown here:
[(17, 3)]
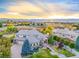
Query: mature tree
[(11, 29), (5, 47), (26, 48), (47, 30)]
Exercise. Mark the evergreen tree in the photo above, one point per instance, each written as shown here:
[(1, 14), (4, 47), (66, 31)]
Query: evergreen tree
[(26, 48)]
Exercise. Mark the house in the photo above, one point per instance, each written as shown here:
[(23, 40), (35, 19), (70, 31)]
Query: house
[(77, 31), (34, 38), (70, 34), (66, 33)]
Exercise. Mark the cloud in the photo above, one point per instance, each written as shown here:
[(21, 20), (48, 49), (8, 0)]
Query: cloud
[(41, 8), (25, 8)]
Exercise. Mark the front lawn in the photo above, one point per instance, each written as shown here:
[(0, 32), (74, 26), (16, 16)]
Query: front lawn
[(43, 53), (67, 53), (64, 52)]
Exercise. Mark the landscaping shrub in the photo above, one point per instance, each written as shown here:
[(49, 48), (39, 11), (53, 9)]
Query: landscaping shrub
[(57, 38), (5, 45), (51, 40), (54, 37), (72, 45), (67, 53), (66, 42)]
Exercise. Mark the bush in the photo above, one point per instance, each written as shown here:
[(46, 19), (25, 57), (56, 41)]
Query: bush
[(11, 29), (0, 24), (51, 40), (67, 53), (54, 37), (72, 45), (66, 42), (5, 46), (1, 34), (57, 38)]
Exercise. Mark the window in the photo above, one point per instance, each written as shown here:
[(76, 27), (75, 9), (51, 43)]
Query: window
[(20, 35), (35, 44), (32, 44)]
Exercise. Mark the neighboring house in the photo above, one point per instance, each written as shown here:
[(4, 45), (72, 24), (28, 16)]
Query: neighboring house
[(77, 31), (35, 39), (66, 33)]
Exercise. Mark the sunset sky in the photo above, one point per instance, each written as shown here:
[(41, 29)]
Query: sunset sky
[(39, 8)]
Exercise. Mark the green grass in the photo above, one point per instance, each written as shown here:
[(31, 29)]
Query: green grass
[(1, 33), (64, 51), (43, 53), (67, 53)]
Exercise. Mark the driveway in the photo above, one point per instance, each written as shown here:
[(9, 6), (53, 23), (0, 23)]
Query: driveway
[(16, 51)]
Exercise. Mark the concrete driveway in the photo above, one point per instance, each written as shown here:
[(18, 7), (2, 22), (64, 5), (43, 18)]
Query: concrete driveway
[(16, 51)]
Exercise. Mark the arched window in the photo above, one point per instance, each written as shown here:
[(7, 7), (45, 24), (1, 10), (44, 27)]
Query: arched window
[(20, 35), (35, 44)]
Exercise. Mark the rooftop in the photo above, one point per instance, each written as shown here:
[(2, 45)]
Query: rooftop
[(32, 35)]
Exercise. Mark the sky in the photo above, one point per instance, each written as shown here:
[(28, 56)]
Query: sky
[(39, 8)]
